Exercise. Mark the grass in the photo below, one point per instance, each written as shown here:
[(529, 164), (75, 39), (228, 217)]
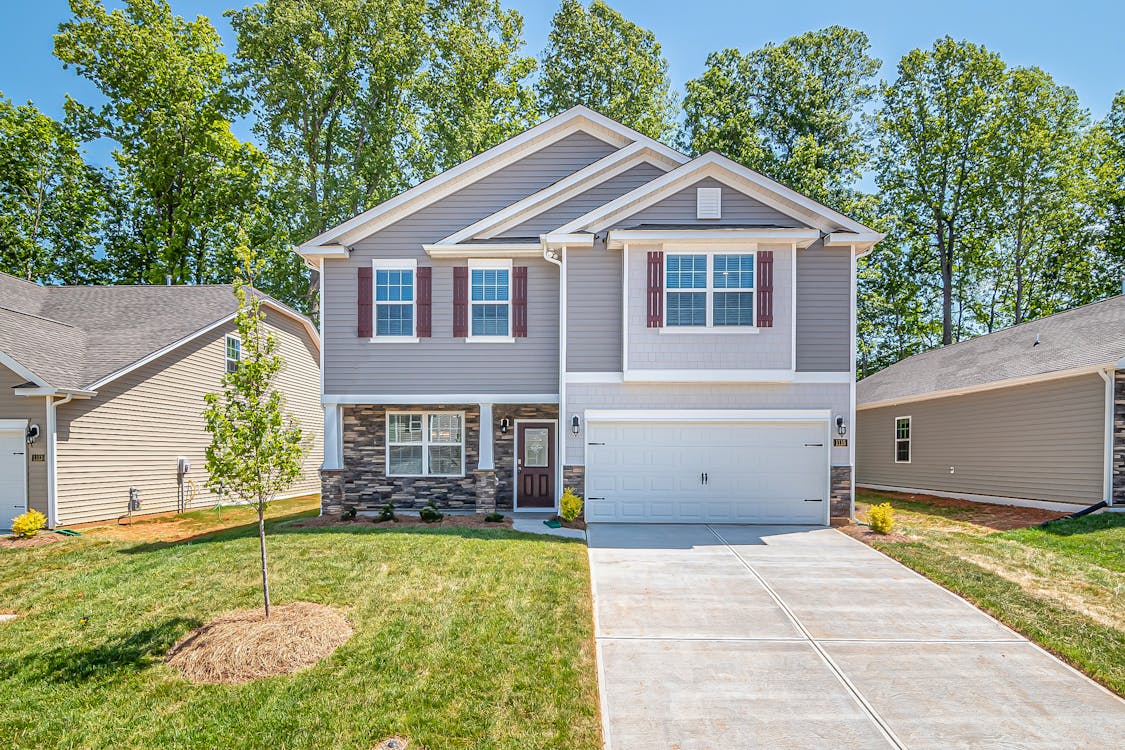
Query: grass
[(463, 638), (1063, 586)]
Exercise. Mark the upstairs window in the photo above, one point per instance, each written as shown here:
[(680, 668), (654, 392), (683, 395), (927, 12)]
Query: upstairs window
[(395, 299), (902, 440), (234, 353), (709, 290), (490, 299)]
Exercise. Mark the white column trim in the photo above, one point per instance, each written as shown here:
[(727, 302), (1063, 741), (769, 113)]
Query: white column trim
[(52, 469), (1108, 375), (485, 460), (333, 438)]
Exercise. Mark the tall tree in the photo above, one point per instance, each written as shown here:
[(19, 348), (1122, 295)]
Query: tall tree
[(935, 167), (791, 110), (51, 201), (598, 58), (1106, 149)]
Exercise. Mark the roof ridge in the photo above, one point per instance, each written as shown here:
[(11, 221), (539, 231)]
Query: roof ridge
[(21, 280), (39, 317)]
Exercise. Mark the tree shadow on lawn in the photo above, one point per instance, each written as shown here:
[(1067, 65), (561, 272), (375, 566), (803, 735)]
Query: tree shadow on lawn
[(128, 653), (1083, 525)]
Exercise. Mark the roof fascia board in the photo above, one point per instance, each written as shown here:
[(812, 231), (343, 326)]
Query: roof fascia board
[(440, 398), (802, 238), (1006, 383), (73, 392), (573, 120), (862, 242), (573, 240), (15, 366), (498, 250)]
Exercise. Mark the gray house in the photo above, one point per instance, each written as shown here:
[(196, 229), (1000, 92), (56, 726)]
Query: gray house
[(101, 390), (1019, 416), (583, 306)]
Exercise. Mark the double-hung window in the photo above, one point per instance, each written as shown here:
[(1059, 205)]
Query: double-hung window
[(395, 299), (425, 444), (709, 290), (902, 440), (234, 352), (490, 299)]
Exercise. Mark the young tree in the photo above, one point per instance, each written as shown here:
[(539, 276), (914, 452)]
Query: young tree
[(790, 110), (255, 451), (597, 57)]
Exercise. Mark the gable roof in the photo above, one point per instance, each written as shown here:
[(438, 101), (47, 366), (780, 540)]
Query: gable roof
[(81, 337), (1085, 338)]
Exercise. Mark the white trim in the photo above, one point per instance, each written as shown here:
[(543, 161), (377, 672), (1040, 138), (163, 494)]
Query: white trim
[(314, 256), (20, 370), (491, 250), (515, 465), (993, 499), (576, 239), (710, 290), (852, 292), (333, 438), (226, 352), (717, 235), (425, 444), (19, 426), (425, 399), (394, 340), (394, 264), (814, 376), (1108, 375), (1006, 383), (576, 119), (709, 415), (31, 392), (573, 185), (860, 242), (14, 424), (625, 306), (707, 330), (490, 264), (803, 378), (909, 439), (489, 339), (710, 376), (594, 377), (486, 459), (793, 306)]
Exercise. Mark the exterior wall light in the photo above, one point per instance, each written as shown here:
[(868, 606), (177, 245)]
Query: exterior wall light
[(32, 434), (841, 428), (505, 425), (574, 424)]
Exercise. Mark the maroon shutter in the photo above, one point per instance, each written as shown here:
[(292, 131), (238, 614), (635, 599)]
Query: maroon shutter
[(460, 301), (425, 304), (765, 288), (364, 307), (519, 301), (656, 290)]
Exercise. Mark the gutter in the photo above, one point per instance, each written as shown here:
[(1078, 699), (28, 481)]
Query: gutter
[(52, 458)]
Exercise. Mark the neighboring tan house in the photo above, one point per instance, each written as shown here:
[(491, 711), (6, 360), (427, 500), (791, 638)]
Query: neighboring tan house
[(584, 306), (101, 390), (1023, 414)]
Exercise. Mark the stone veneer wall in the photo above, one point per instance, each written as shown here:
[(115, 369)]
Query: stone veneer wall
[(575, 477), (363, 483), (842, 492), (1119, 439)]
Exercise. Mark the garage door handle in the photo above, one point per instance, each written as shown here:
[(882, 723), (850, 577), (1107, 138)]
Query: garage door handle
[(595, 498), (814, 499), (814, 445), (595, 443)]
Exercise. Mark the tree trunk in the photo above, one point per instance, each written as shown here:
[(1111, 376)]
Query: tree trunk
[(947, 293), (262, 544)]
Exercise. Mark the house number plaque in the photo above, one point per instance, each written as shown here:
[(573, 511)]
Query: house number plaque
[(840, 443)]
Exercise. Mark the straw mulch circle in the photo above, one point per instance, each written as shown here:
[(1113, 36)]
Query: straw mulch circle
[(241, 646)]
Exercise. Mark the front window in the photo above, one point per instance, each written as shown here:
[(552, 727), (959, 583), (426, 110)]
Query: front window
[(234, 353), (425, 444), (490, 299), (709, 290), (394, 301), (902, 440)]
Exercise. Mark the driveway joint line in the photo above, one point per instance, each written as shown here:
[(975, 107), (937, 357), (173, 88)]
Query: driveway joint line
[(858, 696)]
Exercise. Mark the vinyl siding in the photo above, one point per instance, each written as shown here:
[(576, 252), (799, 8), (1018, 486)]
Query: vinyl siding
[(34, 410), (1043, 441), (597, 196), (133, 431), (593, 328), (443, 364), (738, 209), (824, 305)]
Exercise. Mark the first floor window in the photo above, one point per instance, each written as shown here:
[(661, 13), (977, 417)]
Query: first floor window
[(490, 298), (394, 301), (709, 290), (902, 440), (425, 444), (234, 353)]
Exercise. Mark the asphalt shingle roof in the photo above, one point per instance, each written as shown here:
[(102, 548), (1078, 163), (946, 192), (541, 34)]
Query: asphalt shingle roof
[(1086, 336)]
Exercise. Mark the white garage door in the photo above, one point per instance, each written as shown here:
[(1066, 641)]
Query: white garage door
[(707, 472)]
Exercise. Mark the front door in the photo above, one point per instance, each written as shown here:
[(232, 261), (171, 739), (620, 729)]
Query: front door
[(535, 465), (13, 475)]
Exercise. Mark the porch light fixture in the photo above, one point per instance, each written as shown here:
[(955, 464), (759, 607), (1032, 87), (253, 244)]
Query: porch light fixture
[(505, 425), (574, 424), (841, 428), (32, 434)]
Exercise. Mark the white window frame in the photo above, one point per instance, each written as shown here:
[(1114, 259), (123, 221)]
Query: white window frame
[(390, 264), (226, 353), (425, 444), (480, 264), (709, 292), (908, 439)]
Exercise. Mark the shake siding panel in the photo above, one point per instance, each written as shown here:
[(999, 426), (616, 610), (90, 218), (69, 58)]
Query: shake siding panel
[(738, 209), (34, 410)]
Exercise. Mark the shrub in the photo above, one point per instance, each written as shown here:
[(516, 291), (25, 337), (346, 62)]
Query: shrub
[(348, 514), (570, 505), (28, 524), (431, 514), (881, 518), (494, 517), (386, 513)]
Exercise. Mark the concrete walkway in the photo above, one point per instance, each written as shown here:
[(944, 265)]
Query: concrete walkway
[(786, 637)]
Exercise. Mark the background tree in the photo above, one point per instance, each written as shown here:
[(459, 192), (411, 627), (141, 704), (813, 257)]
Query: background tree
[(255, 451), (51, 201), (598, 58), (791, 111), (1105, 147)]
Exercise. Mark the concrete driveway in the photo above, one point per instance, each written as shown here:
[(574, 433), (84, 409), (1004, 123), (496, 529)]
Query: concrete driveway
[(783, 637)]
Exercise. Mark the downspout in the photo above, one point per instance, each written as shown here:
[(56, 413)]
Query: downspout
[(560, 439), (52, 459), (1108, 375)]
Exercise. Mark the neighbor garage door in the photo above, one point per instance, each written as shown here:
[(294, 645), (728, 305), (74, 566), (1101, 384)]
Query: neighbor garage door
[(702, 471)]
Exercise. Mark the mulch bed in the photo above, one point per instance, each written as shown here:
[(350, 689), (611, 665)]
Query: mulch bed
[(866, 535), (40, 539), (403, 521), (997, 517), (241, 646)]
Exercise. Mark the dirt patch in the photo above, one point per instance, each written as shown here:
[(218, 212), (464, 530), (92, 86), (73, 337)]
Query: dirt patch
[(395, 743), (40, 539), (866, 535), (995, 517), (246, 645), (449, 521)]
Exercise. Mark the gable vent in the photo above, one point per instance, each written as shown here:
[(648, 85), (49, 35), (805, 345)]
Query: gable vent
[(708, 203)]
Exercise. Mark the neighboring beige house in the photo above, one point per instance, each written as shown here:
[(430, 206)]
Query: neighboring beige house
[(1020, 416), (101, 391)]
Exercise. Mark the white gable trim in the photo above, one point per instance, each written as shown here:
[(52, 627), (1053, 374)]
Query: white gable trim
[(584, 179), (14, 365), (802, 238), (483, 250), (575, 119), (772, 193)]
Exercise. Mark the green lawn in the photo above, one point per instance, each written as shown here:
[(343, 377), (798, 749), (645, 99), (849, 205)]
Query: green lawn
[(1063, 585), (463, 639)]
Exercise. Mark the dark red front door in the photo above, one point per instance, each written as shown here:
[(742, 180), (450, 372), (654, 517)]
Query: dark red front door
[(535, 465)]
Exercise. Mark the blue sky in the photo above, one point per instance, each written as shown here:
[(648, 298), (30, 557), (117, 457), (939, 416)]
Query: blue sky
[(1078, 42)]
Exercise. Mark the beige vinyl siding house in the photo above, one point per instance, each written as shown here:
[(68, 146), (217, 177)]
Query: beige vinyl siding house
[(1021, 415), (21, 412)]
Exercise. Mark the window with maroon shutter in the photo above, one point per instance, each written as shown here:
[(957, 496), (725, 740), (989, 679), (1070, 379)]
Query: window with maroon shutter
[(363, 309), (460, 301), (425, 301), (764, 286), (656, 290), (519, 301)]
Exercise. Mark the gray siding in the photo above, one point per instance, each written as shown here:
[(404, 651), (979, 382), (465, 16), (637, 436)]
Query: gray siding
[(34, 410), (597, 196), (824, 305), (738, 209), (593, 327), (1043, 441), (442, 364)]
